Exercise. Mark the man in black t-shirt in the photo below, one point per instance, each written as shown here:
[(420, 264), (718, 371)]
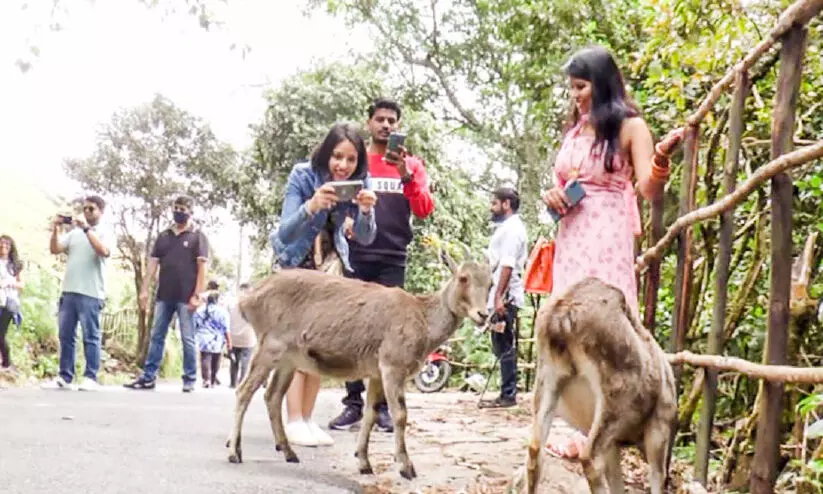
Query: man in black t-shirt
[(181, 252)]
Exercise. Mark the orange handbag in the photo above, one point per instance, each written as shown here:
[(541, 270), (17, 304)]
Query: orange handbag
[(538, 277)]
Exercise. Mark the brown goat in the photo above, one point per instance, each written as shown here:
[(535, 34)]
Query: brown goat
[(349, 329), (604, 373)]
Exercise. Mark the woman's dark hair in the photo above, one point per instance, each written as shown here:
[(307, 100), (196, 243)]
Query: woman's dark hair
[(610, 104), (15, 265), (338, 133)]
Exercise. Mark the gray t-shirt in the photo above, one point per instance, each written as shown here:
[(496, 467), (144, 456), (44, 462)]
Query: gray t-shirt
[(507, 248), (85, 270)]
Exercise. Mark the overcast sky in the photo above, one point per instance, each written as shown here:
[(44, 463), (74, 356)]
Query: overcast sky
[(111, 54)]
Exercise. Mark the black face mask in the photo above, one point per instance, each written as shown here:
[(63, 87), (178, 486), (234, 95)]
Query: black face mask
[(180, 217)]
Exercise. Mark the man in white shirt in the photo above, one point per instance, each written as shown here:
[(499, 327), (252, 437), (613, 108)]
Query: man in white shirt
[(507, 256)]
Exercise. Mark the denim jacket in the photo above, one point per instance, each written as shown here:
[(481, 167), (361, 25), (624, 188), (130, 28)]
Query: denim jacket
[(292, 240)]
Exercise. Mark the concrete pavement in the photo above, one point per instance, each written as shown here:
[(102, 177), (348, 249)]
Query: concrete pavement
[(121, 441)]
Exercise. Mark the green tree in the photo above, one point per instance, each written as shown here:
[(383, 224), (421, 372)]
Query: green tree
[(145, 157)]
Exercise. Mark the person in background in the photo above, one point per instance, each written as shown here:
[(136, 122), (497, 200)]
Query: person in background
[(242, 340), (181, 252), (11, 282), (607, 145), (316, 231), (402, 188), (507, 254), (211, 327), (87, 246)]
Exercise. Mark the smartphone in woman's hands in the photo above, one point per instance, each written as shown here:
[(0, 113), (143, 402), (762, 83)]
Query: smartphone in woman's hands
[(575, 193)]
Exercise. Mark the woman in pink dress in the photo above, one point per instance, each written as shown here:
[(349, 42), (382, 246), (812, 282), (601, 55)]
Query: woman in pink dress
[(606, 145)]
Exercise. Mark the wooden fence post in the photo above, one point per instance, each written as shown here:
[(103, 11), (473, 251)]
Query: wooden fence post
[(736, 127), (683, 275), (770, 426), (653, 275)]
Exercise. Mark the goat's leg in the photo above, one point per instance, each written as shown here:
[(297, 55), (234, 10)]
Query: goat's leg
[(594, 469), (374, 395), (656, 448), (614, 474), (274, 402), (259, 370), (393, 382), (546, 393)]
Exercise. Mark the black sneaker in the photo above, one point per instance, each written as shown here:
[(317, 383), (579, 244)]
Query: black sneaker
[(141, 383), (188, 387), (499, 402), (346, 420), (384, 421)]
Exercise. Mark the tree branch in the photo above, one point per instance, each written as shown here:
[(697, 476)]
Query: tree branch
[(799, 12), (779, 165), (772, 373)]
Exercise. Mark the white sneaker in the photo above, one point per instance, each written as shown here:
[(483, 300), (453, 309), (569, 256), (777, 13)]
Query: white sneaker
[(320, 435), (89, 385), (57, 383), (299, 434)]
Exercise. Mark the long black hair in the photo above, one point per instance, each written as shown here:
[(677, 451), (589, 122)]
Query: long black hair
[(610, 104), (14, 265), (211, 299), (338, 133)]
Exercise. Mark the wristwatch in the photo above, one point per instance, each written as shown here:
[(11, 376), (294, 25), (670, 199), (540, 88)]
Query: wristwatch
[(86, 229), (405, 180)]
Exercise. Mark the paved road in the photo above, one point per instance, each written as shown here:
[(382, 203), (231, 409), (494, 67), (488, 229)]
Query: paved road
[(162, 441)]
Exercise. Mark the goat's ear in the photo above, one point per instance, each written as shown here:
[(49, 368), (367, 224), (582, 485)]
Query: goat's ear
[(448, 261), (467, 252)]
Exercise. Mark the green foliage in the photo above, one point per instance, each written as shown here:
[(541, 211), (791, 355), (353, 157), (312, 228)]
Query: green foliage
[(34, 344)]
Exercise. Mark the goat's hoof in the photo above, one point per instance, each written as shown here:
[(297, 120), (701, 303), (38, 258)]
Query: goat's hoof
[(236, 457), (291, 457), (408, 473), (228, 442), (278, 448), (367, 470)]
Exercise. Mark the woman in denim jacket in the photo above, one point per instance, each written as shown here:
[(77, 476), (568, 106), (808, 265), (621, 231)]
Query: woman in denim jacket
[(311, 212)]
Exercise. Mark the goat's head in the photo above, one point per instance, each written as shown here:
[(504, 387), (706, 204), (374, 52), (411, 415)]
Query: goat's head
[(468, 292)]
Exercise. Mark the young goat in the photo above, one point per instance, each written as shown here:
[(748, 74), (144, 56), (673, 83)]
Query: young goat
[(603, 372), (344, 328)]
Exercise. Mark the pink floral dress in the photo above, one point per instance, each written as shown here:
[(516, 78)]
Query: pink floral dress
[(596, 237)]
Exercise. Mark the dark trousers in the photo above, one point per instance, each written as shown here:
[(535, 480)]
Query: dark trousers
[(5, 322), (505, 348), (209, 365), (239, 362), (384, 274)]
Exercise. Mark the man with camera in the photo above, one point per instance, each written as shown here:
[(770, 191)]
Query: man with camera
[(87, 246), (181, 252), (507, 255), (401, 184)]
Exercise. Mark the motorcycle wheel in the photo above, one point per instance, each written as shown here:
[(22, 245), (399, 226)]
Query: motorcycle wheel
[(434, 376)]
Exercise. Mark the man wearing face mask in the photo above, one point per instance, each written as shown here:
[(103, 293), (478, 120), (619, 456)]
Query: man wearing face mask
[(507, 257), (181, 252)]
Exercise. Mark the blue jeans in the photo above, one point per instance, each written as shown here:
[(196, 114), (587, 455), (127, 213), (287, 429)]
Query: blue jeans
[(75, 308), (163, 313)]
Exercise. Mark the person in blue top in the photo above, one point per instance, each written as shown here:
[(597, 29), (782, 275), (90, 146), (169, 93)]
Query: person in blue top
[(311, 214), (211, 330)]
